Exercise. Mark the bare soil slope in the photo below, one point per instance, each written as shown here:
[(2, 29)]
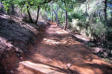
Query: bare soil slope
[(16, 37)]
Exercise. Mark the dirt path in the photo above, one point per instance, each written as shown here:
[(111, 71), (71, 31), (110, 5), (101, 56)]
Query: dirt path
[(65, 55)]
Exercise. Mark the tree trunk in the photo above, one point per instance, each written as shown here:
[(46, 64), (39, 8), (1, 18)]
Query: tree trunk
[(87, 7), (30, 18), (62, 14), (12, 9), (52, 16), (52, 12), (66, 20), (37, 14), (66, 17), (57, 20), (105, 11)]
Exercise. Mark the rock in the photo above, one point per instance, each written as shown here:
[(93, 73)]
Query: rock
[(97, 50)]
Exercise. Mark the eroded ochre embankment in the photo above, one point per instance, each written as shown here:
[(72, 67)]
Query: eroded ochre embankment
[(16, 37)]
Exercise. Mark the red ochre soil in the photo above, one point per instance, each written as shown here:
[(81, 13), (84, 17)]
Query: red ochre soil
[(64, 55)]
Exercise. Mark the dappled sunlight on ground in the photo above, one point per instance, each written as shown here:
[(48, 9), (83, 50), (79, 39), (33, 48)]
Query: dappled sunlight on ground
[(56, 31), (58, 49), (64, 41)]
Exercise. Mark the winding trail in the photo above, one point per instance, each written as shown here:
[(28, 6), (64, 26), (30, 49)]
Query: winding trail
[(58, 53)]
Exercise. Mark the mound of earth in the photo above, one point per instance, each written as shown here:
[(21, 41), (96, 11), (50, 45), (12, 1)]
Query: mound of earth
[(16, 37)]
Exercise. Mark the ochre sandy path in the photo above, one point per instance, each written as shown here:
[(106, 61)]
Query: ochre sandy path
[(66, 55)]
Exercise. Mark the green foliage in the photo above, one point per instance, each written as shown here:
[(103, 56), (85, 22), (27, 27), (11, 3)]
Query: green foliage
[(7, 4), (90, 18)]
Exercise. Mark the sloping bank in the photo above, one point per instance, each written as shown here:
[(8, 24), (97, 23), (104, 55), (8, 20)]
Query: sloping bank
[(15, 39)]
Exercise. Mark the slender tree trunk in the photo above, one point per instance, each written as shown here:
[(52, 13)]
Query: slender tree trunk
[(52, 12), (105, 11), (57, 20), (12, 9), (66, 20), (31, 20), (66, 17), (87, 7), (21, 12), (56, 17), (62, 14), (37, 14), (52, 15)]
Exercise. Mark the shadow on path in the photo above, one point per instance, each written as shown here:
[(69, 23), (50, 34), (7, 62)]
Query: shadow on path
[(64, 54)]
